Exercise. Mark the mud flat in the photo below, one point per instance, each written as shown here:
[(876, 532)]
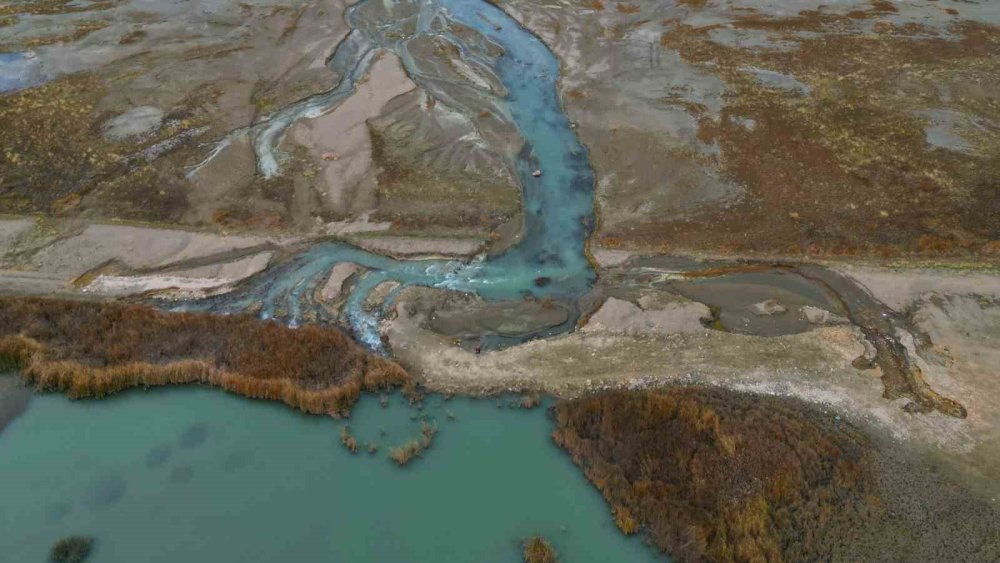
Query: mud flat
[(69, 257)]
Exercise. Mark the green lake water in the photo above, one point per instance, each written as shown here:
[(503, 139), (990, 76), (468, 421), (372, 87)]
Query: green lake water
[(194, 474)]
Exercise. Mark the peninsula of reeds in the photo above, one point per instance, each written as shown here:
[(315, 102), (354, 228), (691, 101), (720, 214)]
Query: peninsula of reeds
[(716, 475), (88, 349)]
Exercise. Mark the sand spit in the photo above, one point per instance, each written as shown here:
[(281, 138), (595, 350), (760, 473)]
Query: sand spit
[(42, 257)]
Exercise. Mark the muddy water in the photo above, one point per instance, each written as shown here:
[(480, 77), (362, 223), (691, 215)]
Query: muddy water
[(548, 261), (197, 475)]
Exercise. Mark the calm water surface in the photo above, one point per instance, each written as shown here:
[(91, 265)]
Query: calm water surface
[(198, 475)]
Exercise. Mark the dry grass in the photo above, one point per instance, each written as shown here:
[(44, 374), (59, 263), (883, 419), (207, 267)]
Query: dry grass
[(538, 550), (715, 476), (406, 453), (530, 400), (54, 153), (427, 433), (96, 349), (48, 7), (79, 30), (348, 440)]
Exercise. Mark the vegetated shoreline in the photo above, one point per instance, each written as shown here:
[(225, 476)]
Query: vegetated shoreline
[(90, 349), (716, 475)]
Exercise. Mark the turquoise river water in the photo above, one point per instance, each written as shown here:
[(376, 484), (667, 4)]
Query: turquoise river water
[(194, 474), (549, 260)]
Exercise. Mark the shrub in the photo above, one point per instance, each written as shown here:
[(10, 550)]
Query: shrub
[(349, 442), (537, 550), (406, 453), (427, 433), (530, 400), (72, 549)]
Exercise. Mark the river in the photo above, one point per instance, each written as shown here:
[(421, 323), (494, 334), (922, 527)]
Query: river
[(548, 261)]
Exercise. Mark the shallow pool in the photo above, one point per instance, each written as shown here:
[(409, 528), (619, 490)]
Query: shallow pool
[(194, 474)]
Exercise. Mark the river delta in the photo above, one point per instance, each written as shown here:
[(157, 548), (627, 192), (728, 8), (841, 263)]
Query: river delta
[(684, 221)]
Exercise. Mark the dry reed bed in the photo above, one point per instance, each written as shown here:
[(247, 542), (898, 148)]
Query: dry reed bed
[(87, 349), (538, 550), (714, 477), (718, 475)]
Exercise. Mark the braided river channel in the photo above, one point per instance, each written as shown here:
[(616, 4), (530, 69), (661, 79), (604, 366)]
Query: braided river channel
[(198, 475)]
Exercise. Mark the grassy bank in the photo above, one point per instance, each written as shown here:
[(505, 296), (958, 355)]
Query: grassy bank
[(88, 349), (714, 475)]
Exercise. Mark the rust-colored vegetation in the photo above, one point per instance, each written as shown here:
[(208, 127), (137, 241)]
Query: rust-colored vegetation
[(406, 453), (538, 550), (427, 433), (412, 449), (95, 349), (348, 440), (530, 400), (627, 8), (719, 477)]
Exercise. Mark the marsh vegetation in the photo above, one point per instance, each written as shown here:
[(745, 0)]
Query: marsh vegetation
[(714, 475), (538, 550), (95, 349)]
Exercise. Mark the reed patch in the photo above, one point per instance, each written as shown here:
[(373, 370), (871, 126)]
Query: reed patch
[(88, 349)]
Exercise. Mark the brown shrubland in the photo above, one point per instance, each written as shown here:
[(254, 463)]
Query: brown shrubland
[(89, 349), (714, 476)]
